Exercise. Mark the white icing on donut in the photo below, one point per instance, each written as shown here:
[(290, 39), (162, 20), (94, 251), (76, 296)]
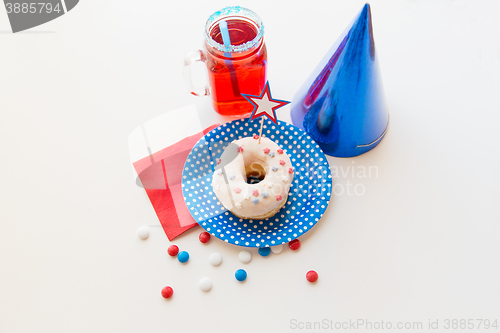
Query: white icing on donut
[(253, 200)]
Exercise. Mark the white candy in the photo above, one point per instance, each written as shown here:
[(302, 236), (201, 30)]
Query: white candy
[(215, 259), (205, 284), (277, 249), (143, 232), (245, 256)]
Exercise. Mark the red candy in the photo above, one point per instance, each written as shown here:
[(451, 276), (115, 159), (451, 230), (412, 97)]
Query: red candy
[(240, 149), (173, 250), (290, 170), (294, 245), (167, 292), (204, 237), (255, 136), (312, 276), (280, 151), (266, 150), (282, 162), (279, 197), (255, 193), (237, 190), (218, 161)]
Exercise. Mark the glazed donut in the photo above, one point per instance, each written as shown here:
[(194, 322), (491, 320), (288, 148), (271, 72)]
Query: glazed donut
[(265, 161)]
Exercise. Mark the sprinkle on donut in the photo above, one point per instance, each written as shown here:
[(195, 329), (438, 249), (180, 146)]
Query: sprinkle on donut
[(253, 199), (290, 170)]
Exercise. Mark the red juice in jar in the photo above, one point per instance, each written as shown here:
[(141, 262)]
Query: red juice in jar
[(237, 72), (238, 65)]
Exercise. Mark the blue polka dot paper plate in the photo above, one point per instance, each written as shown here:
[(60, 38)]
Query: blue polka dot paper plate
[(307, 200)]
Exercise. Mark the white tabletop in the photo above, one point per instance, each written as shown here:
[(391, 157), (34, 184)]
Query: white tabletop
[(421, 243)]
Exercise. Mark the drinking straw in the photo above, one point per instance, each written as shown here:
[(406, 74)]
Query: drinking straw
[(232, 72)]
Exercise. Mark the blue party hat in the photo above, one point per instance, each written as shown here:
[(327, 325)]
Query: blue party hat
[(342, 104)]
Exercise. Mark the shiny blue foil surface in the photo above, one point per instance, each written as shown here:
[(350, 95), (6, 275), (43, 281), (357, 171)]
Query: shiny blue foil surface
[(342, 105)]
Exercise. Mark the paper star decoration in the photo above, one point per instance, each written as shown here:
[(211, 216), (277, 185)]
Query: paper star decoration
[(265, 105)]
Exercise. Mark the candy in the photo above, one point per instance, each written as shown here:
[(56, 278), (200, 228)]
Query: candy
[(255, 193), (245, 256), (215, 259), (167, 292), (294, 245), (205, 284), (266, 150), (290, 170), (277, 249), (173, 250), (272, 154), (255, 201), (279, 197), (240, 149), (312, 276), (274, 168), (265, 194), (264, 251), (204, 237), (280, 151), (237, 190), (232, 177), (240, 275), (282, 162), (183, 256), (143, 233), (255, 136)]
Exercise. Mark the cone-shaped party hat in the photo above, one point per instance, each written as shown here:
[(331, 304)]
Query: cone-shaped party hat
[(342, 104)]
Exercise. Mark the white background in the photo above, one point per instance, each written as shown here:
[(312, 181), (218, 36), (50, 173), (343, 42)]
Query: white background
[(421, 243)]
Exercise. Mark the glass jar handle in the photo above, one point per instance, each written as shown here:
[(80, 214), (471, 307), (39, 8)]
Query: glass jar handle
[(191, 59)]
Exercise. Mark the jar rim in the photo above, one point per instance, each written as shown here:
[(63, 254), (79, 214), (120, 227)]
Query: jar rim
[(229, 12)]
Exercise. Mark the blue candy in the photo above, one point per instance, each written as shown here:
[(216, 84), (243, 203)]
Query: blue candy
[(264, 251), (183, 256), (240, 275)]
